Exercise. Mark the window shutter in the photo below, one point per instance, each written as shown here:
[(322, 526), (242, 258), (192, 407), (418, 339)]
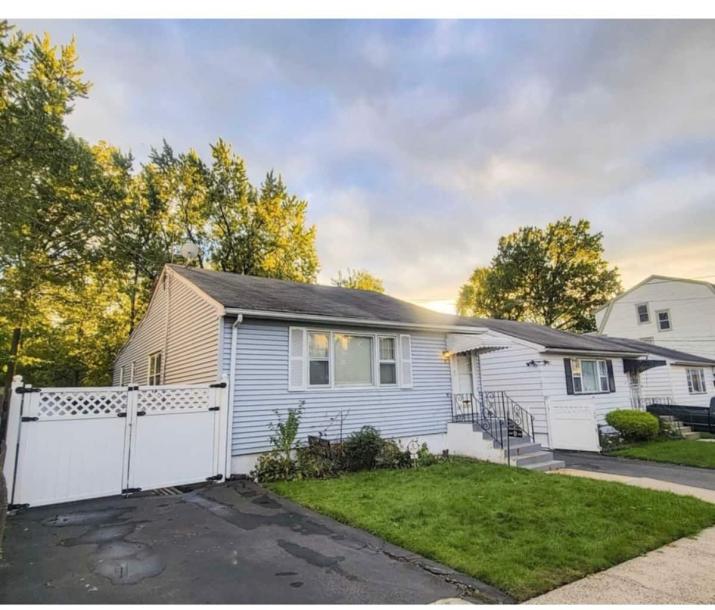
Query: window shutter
[(569, 376), (405, 361), (296, 358), (611, 378)]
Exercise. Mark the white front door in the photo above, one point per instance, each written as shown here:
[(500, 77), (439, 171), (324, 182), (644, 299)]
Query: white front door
[(463, 376)]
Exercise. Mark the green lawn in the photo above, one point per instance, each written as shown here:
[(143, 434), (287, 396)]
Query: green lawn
[(521, 531), (688, 453)]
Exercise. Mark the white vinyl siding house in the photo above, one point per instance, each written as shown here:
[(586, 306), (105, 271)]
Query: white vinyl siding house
[(179, 334), (271, 375), (676, 313), (351, 358)]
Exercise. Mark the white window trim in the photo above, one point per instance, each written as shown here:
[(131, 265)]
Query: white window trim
[(638, 315), (700, 374), (160, 374), (132, 368), (657, 321), (580, 375), (121, 375), (332, 386)]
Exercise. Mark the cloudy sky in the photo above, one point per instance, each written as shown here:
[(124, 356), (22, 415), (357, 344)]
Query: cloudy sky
[(419, 143)]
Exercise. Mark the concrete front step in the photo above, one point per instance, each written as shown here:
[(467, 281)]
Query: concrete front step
[(533, 458), (544, 466)]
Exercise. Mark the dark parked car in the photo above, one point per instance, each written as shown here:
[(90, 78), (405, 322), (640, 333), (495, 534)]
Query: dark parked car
[(700, 419)]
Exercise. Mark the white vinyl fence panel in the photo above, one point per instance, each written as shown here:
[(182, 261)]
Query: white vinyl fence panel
[(67, 444)]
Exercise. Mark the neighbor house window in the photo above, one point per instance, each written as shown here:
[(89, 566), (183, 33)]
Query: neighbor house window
[(388, 361), (696, 381), (319, 358), (664, 320), (589, 376), (353, 356), (131, 372), (121, 375), (643, 313), (155, 368)]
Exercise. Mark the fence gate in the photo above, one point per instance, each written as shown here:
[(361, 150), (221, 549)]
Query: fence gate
[(66, 444), (573, 427)]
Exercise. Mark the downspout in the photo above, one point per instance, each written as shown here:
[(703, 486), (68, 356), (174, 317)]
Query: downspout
[(231, 396)]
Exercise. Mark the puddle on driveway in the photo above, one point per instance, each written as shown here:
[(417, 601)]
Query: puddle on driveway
[(314, 558), (122, 561)]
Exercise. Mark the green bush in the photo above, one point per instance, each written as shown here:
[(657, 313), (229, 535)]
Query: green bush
[(361, 448), (634, 425), (315, 463), (424, 457), (274, 466), (392, 455)]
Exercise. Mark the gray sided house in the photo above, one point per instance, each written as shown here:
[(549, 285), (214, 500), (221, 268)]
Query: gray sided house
[(350, 358)]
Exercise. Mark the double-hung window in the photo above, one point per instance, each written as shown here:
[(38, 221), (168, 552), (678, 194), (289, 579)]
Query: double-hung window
[(589, 376), (343, 359), (387, 359), (696, 381), (663, 320), (155, 368), (319, 359), (642, 313), (121, 375)]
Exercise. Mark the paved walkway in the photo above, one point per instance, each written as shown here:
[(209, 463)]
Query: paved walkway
[(682, 475), (678, 573)]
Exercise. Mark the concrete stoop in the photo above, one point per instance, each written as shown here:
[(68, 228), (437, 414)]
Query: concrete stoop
[(675, 424), (471, 441)]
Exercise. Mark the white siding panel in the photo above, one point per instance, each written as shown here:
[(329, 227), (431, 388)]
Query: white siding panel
[(188, 342), (261, 388), (506, 370), (681, 395), (554, 379)]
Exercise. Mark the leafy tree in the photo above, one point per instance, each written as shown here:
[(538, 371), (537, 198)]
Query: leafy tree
[(358, 279), (555, 276), (47, 179), (257, 231)]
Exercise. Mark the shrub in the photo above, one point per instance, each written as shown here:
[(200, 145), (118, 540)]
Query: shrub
[(314, 463), (634, 425), (424, 457), (392, 455), (361, 448), (286, 432), (273, 466)]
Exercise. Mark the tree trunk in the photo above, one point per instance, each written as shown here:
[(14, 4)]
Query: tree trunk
[(12, 359), (14, 348)]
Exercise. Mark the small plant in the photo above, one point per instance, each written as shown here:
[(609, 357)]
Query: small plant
[(361, 448), (278, 464), (424, 457), (633, 425), (286, 432)]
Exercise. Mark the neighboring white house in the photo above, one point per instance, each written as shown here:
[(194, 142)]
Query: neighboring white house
[(669, 376), (676, 313), (351, 358)]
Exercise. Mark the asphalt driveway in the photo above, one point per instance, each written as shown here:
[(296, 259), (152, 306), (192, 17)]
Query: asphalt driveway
[(231, 543), (672, 473)]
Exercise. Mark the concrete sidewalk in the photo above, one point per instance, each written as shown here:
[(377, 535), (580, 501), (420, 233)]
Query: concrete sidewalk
[(679, 573)]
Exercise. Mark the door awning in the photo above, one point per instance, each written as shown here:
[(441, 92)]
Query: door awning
[(459, 343), (634, 365)]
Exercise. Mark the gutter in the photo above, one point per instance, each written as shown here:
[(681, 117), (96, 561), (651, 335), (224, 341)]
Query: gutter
[(591, 352), (280, 315), (231, 385), (691, 363)]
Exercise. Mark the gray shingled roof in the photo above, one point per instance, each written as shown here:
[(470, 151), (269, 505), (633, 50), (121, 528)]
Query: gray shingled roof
[(251, 293), (658, 350)]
